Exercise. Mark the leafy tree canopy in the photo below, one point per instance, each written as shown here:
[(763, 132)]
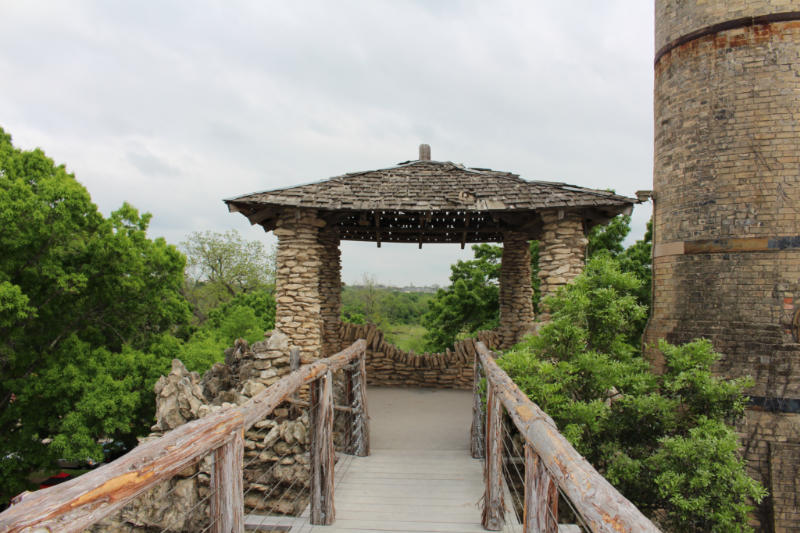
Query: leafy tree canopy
[(222, 265), (80, 296), (383, 306), (248, 315), (636, 259), (470, 303), (664, 441), (608, 238)]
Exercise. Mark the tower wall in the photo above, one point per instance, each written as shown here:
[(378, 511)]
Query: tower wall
[(726, 180)]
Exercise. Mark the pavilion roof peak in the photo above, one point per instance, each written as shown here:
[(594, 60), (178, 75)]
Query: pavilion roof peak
[(428, 186)]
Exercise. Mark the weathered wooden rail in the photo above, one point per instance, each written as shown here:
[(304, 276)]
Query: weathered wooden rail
[(81, 502), (551, 463)]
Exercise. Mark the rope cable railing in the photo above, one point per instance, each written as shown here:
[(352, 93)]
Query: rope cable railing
[(215, 446), (531, 468)]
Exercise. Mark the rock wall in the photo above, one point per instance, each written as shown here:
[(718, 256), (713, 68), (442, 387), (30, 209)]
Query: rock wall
[(389, 366), (298, 311), (516, 291), (562, 252), (330, 290), (276, 453)]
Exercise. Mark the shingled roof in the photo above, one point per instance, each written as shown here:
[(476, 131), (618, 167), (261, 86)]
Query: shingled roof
[(431, 201)]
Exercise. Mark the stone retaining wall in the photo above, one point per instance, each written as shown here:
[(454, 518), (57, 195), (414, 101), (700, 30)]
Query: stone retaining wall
[(276, 448), (389, 366)]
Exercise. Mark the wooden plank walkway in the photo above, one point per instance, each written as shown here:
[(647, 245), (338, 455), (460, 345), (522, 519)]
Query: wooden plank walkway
[(407, 491), (420, 477)]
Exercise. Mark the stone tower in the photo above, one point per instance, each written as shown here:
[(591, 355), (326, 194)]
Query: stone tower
[(726, 260)]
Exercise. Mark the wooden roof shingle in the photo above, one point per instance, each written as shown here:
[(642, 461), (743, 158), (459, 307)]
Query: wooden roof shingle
[(423, 188)]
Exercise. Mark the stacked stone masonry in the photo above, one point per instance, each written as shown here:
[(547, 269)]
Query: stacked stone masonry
[(276, 449), (330, 290), (516, 292), (562, 251), (300, 255), (389, 366), (727, 172)]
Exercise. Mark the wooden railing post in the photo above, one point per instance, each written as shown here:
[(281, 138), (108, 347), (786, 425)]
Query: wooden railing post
[(322, 454), (360, 428), (541, 496), (476, 432), (294, 364), (493, 507), (227, 503)]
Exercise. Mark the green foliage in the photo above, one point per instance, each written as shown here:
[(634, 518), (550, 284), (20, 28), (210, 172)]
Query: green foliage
[(661, 440), (246, 316), (603, 302), (637, 260), (92, 311), (607, 238), (223, 265), (470, 303), (353, 318), (382, 306), (246, 312), (406, 336), (80, 296), (690, 471)]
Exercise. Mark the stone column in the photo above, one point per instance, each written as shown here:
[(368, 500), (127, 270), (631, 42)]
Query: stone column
[(516, 292), (562, 252), (297, 283), (330, 290)]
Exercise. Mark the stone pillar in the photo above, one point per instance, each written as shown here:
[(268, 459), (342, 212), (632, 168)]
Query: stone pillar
[(562, 252), (297, 283), (330, 290), (516, 292)]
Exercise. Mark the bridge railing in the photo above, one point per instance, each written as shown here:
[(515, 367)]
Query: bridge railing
[(546, 463), (79, 503)]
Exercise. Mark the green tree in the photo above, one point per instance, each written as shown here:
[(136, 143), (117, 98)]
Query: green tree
[(471, 302), (663, 441), (222, 265), (608, 238), (80, 297), (247, 316), (382, 305), (637, 259)]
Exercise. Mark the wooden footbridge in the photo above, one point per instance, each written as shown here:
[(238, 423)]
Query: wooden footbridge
[(415, 470)]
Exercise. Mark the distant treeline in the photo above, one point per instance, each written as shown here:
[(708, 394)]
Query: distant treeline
[(383, 305)]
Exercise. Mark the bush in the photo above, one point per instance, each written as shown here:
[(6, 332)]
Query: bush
[(663, 441)]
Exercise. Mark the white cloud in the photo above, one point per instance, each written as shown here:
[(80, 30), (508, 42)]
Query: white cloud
[(175, 105)]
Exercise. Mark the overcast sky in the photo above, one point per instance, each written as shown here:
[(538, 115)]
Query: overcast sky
[(173, 106)]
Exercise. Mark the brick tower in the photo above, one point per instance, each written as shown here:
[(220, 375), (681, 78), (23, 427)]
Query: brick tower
[(726, 260)]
